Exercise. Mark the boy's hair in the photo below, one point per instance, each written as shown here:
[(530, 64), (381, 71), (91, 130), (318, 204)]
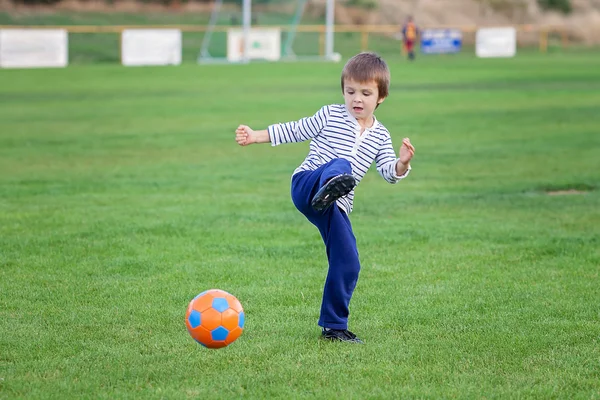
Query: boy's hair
[(366, 67)]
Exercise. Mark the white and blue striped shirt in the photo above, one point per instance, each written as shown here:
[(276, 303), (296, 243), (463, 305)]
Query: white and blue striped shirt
[(335, 133)]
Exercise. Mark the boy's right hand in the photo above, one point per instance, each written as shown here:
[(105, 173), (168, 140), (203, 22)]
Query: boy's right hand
[(244, 135)]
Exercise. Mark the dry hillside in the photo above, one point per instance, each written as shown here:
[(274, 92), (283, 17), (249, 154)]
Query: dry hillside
[(583, 24)]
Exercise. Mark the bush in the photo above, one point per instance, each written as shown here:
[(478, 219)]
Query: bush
[(36, 2), (557, 5), (366, 4)]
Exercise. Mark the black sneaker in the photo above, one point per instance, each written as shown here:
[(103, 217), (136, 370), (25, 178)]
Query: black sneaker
[(335, 188), (343, 335)]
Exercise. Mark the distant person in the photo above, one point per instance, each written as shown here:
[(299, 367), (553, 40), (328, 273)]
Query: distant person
[(345, 139), (410, 34)]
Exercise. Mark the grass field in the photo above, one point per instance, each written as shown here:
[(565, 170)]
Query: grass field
[(123, 195)]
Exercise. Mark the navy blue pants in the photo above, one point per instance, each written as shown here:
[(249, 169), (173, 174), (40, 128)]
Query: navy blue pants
[(340, 243)]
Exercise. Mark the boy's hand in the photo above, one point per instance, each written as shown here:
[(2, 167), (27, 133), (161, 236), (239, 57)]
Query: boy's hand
[(407, 151), (244, 135)]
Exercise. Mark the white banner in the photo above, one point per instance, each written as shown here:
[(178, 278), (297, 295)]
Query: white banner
[(265, 43), (33, 48), (496, 42), (151, 47)]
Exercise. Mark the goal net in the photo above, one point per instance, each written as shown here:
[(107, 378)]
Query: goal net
[(240, 31)]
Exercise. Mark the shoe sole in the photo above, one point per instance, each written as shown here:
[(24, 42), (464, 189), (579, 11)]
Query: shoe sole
[(334, 189), (337, 339)]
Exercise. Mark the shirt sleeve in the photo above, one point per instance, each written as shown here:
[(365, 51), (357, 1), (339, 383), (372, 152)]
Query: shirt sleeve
[(298, 131), (386, 160)]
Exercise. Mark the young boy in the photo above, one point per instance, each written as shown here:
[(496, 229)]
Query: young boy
[(410, 33), (345, 140)]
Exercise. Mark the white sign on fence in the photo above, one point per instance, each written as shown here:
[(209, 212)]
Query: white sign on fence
[(496, 42), (33, 48), (265, 43), (151, 47)]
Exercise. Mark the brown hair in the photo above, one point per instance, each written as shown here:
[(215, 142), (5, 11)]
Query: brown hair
[(366, 67)]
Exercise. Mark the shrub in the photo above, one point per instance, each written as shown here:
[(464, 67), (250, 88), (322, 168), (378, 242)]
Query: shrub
[(557, 5)]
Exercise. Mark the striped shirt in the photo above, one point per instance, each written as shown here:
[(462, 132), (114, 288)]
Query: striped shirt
[(335, 133)]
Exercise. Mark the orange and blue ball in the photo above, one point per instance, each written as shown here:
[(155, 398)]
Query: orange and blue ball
[(215, 318)]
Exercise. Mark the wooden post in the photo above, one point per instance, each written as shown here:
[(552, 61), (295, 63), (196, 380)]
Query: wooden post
[(121, 45), (565, 38), (364, 40), (543, 40), (322, 42)]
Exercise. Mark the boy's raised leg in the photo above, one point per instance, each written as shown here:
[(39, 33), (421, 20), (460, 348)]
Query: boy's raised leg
[(310, 186)]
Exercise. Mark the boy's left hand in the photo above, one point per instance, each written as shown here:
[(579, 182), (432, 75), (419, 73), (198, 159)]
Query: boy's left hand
[(407, 151)]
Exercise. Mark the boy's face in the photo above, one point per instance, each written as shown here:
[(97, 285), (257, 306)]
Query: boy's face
[(361, 98)]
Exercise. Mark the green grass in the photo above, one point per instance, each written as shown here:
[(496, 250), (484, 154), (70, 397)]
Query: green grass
[(123, 195)]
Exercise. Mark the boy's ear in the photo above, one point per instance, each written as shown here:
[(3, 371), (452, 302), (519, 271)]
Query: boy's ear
[(380, 101)]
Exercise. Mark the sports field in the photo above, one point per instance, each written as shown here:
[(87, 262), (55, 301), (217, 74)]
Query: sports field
[(123, 195)]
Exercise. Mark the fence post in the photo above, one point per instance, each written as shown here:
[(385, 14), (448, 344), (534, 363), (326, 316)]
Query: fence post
[(322, 41), (364, 40), (565, 38), (121, 45), (543, 40)]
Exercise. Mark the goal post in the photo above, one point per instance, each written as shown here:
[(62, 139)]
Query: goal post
[(268, 32)]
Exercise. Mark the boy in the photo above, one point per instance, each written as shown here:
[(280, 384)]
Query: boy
[(345, 140), (410, 33)]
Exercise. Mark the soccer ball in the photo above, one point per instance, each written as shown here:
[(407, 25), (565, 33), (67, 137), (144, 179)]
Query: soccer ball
[(215, 318)]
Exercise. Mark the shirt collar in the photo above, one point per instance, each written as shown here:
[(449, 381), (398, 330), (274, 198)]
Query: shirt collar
[(352, 121)]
